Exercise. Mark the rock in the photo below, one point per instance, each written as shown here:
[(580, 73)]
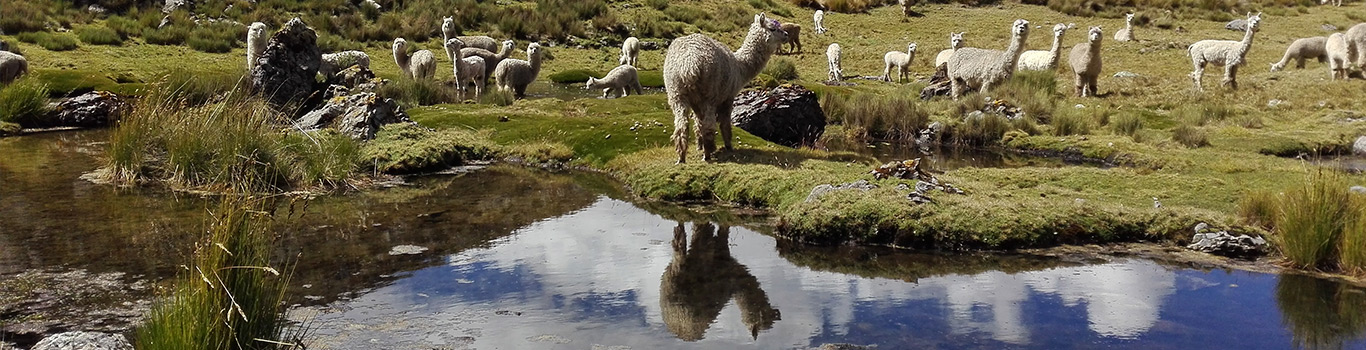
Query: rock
[(939, 84), (927, 135), (93, 109), (789, 115), (1225, 244), (96, 9), (1359, 146), (822, 190), (288, 68), (1274, 102), (1237, 25), (1329, 27), (407, 250), (84, 341), (172, 5), (1126, 74), (1357, 189), (359, 116), (335, 91), (351, 77)]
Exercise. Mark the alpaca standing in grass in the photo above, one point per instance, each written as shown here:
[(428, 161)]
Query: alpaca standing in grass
[(955, 43), (1339, 56), (702, 76), (514, 75), (12, 66), (491, 59), (905, 7), (419, 65), (1085, 62), (335, 62), (449, 31), (983, 69), (832, 58), (1126, 34), (468, 71), (256, 44), (900, 60), (1303, 49), (1334, 2), (1044, 60), (819, 18), (630, 52), (794, 36), (1356, 39), (621, 78), (1227, 53)]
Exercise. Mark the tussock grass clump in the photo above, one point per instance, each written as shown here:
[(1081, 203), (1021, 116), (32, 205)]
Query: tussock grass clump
[(1259, 209), (419, 92), (1310, 221), (215, 38), (1190, 136), (408, 148), (126, 27), (1072, 122), (1201, 114), (1035, 92), (98, 35), (781, 69), (984, 130), (1127, 124), (50, 41), (169, 35), (22, 17), (24, 102), (894, 116)]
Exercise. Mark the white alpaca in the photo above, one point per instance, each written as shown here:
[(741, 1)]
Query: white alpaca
[(955, 43), (819, 18), (1126, 34), (1356, 39), (449, 31), (1227, 53), (468, 71), (1044, 60), (832, 58), (621, 78), (419, 65), (901, 61), (1339, 56), (1303, 49), (12, 66), (335, 62), (1334, 2), (491, 59), (256, 44), (702, 76), (630, 51), (982, 69), (1085, 62), (514, 75)]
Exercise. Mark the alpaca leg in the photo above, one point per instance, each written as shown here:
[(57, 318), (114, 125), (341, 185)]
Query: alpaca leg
[(887, 73), (1093, 86), (1230, 76), (723, 123), (680, 137), (1300, 63), (706, 132), (955, 88), (1195, 75), (606, 92), (1077, 87)]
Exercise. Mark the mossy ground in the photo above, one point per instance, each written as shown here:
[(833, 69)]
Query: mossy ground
[(629, 137)]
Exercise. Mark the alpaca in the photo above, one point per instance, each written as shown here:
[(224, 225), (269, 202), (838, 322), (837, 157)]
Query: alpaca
[(630, 51), (1126, 34), (1085, 62), (621, 78), (256, 44), (12, 66), (905, 7), (449, 31), (703, 279), (1334, 2), (984, 69), (419, 65), (832, 57), (490, 59), (955, 43), (514, 74), (1044, 60), (466, 70), (334, 62), (1356, 39), (1227, 53), (819, 18), (1339, 56), (900, 60), (794, 36), (1302, 49), (702, 76)]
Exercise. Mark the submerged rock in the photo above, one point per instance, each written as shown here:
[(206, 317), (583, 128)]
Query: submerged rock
[(286, 72), (788, 115), (359, 116), (84, 341), (93, 109), (1225, 244), (1359, 146), (407, 250)]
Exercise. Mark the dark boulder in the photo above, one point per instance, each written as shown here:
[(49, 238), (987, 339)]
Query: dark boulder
[(1225, 244), (789, 115), (93, 109), (359, 116), (287, 70), (939, 84), (351, 77)]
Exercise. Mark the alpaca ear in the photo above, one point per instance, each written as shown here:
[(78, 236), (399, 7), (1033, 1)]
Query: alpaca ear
[(759, 18)]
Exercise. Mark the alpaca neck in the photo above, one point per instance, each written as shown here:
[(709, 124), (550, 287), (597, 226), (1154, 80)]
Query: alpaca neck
[(1129, 26), (1246, 44), (504, 52), (401, 58), (1012, 54), (535, 61), (752, 55), (1057, 48)]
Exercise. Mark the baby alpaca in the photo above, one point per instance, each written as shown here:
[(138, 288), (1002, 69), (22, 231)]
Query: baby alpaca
[(256, 44), (1302, 49), (900, 60), (335, 62), (794, 36), (1339, 56), (1085, 62), (514, 75), (955, 42), (832, 56), (1227, 53), (985, 69), (419, 65), (1126, 34), (12, 66), (1044, 60), (630, 51), (621, 78), (490, 59), (819, 18), (466, 70)]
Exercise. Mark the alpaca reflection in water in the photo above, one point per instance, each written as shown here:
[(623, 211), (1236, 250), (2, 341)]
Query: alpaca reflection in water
[(702, 277)]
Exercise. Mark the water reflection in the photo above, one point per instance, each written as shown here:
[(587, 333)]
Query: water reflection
[(1321, 314), (702, 278)]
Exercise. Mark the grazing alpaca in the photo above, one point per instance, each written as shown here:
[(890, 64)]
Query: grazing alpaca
[(490, 59), (701, 77), (466, 70), (832, 58), (1227, 53), (1339, 56), (256, 44), (1126, 34), (621, 78), (819, 18), (1303, 49), (984, 69), (419, 65), (1085, 62), (794, 36), (514, 75), (899, 60), (955, 43), (630, 51), (1356, 39)]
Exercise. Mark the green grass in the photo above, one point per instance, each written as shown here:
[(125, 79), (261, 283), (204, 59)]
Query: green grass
[(781, 69), (1072, 122), (96, 35), (1190, 136), (1312, 218), (897, 116), (24, 102), (1127, 124), (49, 41), (404, 149), (420, 92), (215, 38)]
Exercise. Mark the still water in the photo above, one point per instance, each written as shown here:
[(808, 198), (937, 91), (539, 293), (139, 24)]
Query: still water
[(525, 259)]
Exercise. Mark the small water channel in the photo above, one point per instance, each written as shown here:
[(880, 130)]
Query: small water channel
[(526, 259)]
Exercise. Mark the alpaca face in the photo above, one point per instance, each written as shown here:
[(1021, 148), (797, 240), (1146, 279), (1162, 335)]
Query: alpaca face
[(400, 46), (910, 48), (1058, 29), (1095, 34), (956, 40), (1021, 28), (454, 45), (776, 35), (1128, 18), (1254, 21), (533, 50), (447, 24), (257, 30)]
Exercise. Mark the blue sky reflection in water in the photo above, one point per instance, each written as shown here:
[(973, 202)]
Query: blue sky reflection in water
[(613, 276)]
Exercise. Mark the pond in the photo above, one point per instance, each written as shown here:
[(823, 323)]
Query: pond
[(527, 259)]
